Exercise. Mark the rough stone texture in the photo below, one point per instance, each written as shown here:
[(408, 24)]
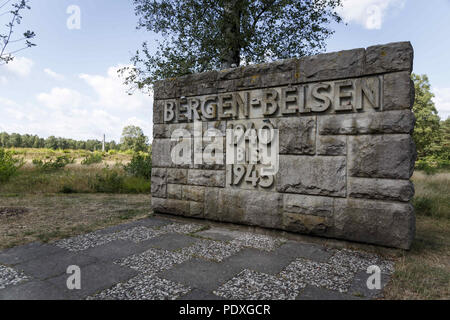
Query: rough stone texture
[(335, 65), (178, 207), (344, 124), (243, 206), (389, 58), (159, 182), (312, 175), (332, 145), (385, 156), (175, 191), (398, 91), (308, 205), (376, 123), (161, 153), (297, 135), (383, 223), (158, 112), (207, 178), (382, 189), (177, 176)]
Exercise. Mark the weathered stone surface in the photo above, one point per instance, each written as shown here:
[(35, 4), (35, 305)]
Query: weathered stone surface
[(398, 91), (161, 153), (165, 131), (332, 145), (158, 107), (378, 122), (308, 205), (345, 153), (306, 224), (336, 65), (384, 223), (177, 207), (165, 89), (188, 193), (177, 176), (381, 156), (389, 58), (194, 193), (383, 189), (175, 191), (312, 175), (159, 131), (159, 182), (244, 206), (196, 84), (196, 209), (207, 178), (297, 135)]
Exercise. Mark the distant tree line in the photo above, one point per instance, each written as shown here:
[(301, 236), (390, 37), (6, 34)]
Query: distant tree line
[(133, 138), (15, 140)]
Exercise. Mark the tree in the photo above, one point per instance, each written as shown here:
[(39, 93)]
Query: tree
[(444, 152), (427, 131), (14, 18), (133, 138), (202, 35)]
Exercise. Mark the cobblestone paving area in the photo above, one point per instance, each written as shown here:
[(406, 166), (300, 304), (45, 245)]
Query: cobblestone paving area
[(10, 277), (160, 258)]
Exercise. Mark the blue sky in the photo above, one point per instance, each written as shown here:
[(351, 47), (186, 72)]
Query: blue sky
[(67, 85)]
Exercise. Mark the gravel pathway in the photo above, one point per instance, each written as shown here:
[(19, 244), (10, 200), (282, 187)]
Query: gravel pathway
[(174, 259), (10, 277)]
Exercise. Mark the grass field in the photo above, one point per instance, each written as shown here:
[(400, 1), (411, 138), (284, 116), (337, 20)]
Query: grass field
[(424, 271), (46, 206), (45, 217), (29, 154), (105, 176)]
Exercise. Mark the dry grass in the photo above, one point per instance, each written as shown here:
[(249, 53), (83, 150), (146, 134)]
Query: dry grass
[(51, 217), (30, 211), (424, 271), (74, 178), (29, 154)]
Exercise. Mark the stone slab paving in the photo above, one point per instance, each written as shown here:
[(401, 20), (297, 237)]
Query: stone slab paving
[(168, 258)]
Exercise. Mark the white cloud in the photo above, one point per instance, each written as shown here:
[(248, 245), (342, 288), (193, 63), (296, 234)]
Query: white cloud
[(442, 101), (111, 92), (61, 98), (103, 107), (20, 66), (3, 80), (369, 13), (53, 74)]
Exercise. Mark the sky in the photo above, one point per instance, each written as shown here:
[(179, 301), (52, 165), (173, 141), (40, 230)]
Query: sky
[(68, 85)]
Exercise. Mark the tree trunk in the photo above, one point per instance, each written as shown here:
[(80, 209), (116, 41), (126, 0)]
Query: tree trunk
[(231, 57)]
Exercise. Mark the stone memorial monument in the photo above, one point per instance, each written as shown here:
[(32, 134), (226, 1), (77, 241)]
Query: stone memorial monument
[(340, 147)]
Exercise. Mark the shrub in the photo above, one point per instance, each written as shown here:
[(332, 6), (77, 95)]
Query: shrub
[(423, 206), (52, 165), (92, 158), (136, 185), (431, 165), (140, 166), (68, 189), (8, 165), (112, 152), (109, 181)]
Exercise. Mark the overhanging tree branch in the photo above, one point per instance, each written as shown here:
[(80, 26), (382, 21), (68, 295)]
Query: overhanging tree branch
[(5, 38)]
